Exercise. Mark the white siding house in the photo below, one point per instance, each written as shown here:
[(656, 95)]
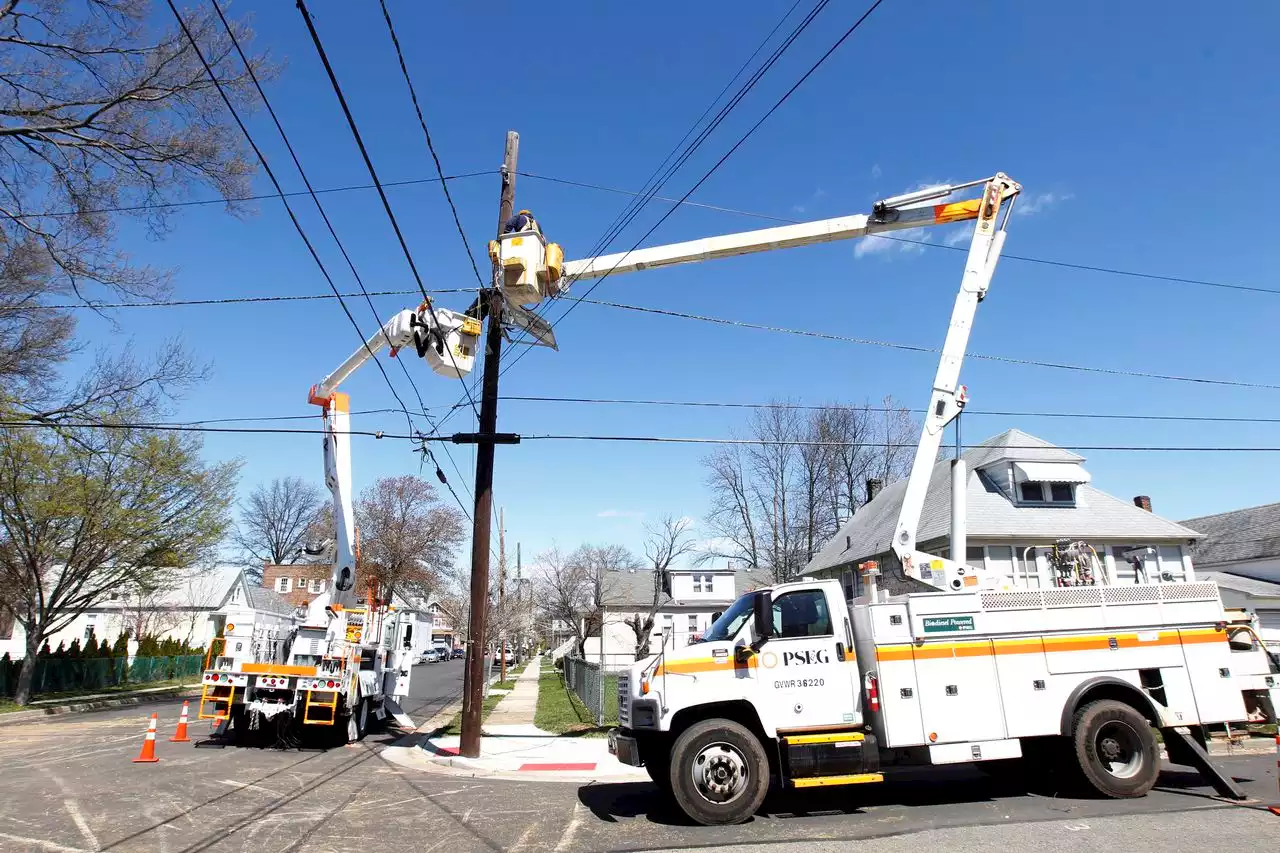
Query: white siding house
[(1022, 494), (192, 608), (697, 595)]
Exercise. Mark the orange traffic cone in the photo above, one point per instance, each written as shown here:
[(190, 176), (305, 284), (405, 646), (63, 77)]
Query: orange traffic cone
[(1275, 810), (180, 736), (148, 754)]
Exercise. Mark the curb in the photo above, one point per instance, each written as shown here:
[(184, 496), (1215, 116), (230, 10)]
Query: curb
[(52, 711), (415, 757)]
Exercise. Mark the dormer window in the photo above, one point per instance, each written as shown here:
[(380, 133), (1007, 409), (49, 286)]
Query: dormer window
[(1048, 482)]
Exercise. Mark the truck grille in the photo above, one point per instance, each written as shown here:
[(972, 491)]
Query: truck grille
[(624, 698)]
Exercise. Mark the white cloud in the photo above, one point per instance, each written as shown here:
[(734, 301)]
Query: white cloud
[(619, 513), (886, 245), (688, 521), (1032, 204), (798, 208), (958, 236), (875, 170)]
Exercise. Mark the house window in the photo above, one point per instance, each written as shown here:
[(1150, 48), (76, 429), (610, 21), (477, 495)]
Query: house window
[(302, 583), (317, 586), (90, 619), (693, 623), (1171, 568), (1033, 492), (282, 584), (1062, 493), (697, 583), (708, 583), (668, 623)]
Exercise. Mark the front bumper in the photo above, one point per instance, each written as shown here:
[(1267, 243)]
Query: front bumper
[(624, 748)]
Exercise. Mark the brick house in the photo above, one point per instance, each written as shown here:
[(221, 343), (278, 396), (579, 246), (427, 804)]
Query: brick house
[(298, 583)]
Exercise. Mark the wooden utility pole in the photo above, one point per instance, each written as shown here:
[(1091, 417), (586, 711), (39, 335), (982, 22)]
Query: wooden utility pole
[(482, 517), (502, 592)]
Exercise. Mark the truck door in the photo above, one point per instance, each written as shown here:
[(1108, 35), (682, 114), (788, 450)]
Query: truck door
[(802, 673)]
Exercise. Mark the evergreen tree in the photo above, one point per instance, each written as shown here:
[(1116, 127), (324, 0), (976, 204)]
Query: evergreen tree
[(61, 652), (73, 653), (44, 650), (121, 647), (104, 650)]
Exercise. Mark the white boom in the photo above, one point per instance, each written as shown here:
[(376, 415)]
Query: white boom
[(912, 210)]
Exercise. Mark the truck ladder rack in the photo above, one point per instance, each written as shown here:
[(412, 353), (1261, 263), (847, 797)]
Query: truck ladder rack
[(217, 698), (331, 707)]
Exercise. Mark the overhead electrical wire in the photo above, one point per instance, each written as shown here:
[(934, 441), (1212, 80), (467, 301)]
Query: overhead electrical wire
[(279, 190), (373, 175), (377, 319), (422, 122), (1109, 371), (203, 202), (656, 439)]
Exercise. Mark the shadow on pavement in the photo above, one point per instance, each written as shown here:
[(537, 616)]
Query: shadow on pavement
[(921, 787)]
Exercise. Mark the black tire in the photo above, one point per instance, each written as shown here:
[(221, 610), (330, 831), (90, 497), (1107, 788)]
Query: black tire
[(1115, 749), (660, 772), (719, 773)]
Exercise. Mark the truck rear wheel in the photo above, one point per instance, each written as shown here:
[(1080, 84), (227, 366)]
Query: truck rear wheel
[(719, 772), (1116, 749)]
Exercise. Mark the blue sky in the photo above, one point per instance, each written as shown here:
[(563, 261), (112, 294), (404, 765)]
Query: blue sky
[(1144, 136)]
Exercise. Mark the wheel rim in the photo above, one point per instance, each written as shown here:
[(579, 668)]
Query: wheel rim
[(1119, 749), (720, 772)]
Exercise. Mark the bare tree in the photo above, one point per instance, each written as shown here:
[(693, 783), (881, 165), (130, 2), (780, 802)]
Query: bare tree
[(103, 511), (665, 543), (275, 520), (407, 535), (103, 116), (777, 502), (573, 588)]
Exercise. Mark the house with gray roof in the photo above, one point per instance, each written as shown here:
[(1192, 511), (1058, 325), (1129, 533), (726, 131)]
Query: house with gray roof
[(1259, 597), (697, 596), (1241, 542), (1022, 494)]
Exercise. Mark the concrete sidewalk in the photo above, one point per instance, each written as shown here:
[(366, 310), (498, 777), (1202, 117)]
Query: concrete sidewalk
[(521, 752), (518, 707)]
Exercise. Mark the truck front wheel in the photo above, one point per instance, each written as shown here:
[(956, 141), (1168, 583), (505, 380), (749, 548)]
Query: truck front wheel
[(1116, 749), (719, 772)]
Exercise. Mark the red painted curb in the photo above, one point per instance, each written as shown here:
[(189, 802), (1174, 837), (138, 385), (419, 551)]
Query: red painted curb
[(445, 750), (585, 766)]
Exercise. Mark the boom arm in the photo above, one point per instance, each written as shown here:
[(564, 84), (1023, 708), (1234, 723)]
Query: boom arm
[(447, 341), (912, 210)]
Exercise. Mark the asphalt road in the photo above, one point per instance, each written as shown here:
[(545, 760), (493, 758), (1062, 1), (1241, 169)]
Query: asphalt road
[(68, 785)]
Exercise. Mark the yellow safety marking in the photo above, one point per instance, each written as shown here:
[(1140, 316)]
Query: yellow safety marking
[(1034, 645), (822, 781), (839, 737)]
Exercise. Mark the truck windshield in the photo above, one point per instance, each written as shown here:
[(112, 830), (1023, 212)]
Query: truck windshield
[(730, 622)]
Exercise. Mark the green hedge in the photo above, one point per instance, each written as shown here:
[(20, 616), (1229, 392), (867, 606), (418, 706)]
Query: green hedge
[(64, 675)]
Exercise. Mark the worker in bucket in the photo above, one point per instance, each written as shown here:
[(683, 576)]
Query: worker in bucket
[(522, 221)]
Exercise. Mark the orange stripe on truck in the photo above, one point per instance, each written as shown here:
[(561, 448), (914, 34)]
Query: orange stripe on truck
[(956, 211), (1034, 645)]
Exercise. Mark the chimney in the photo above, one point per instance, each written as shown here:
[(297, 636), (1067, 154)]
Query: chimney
[(1142, 502), (874, 485)]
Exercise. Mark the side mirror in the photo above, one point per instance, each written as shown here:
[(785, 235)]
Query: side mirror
[(762, 615)]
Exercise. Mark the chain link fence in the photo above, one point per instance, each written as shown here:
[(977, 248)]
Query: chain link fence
[(596, 687), (65, 675)]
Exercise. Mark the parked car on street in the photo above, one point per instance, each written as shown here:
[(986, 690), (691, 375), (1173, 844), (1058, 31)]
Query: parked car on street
[(458, 654), (430, 656)]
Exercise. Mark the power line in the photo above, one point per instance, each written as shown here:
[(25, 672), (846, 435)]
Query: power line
[(656, 439), (892, 409), (373, 175), (444, 185), (162, 205), (1107, 371), (750, 131), (284, 137), (276, 183), (236, 300)]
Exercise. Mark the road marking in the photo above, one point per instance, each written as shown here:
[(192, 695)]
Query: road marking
[(41, 844), (524, 838), (575, 820), (467, 816), (82, 824), (243, 785), (1076, 827)]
